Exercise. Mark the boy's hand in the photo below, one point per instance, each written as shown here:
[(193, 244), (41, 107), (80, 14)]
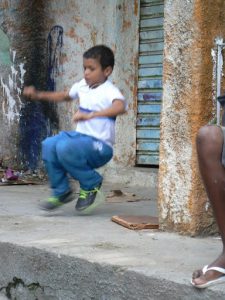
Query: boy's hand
[(79, 116), (30, 92)]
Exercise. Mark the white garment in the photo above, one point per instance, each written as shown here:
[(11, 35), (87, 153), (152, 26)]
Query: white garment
[(96, 99)]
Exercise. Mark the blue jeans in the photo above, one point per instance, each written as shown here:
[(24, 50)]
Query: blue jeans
[(76, 154)]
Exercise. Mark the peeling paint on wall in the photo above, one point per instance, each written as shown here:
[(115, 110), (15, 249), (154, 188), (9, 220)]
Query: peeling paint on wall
[(4, 49), (11, 103)]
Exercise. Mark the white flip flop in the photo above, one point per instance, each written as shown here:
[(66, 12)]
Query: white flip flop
[(218, 280)]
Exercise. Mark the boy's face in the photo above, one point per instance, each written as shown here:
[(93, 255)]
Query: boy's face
[(93, 72)]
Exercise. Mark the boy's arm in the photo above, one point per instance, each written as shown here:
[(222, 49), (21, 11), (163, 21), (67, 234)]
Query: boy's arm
[(117, 108), (33, 94)]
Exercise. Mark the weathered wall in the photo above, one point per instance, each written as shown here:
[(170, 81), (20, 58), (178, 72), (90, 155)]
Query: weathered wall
[(85, 25), (11, 78), (43, 46), (191, 28), (26, 123)]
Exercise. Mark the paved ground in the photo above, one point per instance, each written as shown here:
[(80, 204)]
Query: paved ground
[(156, 258)]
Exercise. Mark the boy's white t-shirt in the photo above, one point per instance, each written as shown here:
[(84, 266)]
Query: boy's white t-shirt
[(96, 99)]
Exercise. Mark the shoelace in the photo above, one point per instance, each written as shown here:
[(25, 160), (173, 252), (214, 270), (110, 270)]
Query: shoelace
[(84, 194), (54, 200)]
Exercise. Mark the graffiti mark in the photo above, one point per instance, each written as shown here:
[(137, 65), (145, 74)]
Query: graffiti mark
[(54, 53), (54, 44), (40, 119)]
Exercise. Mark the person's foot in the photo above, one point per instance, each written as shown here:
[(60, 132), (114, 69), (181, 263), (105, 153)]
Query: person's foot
[(205, 278), (57, 201), (209, 275), (87, 198)]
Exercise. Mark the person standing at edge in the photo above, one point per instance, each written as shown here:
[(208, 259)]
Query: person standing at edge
[(211, 157), (78, 153)]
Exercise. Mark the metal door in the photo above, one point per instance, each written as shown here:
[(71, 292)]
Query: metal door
[(151, 39)]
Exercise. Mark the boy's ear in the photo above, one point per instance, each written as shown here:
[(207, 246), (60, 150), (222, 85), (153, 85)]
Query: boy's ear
[(108, 71)]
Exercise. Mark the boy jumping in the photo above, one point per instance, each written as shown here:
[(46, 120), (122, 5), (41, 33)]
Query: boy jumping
[(78, 153)]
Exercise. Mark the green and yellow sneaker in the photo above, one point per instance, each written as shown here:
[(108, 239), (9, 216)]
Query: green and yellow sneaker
[(57, 201), (88, 200)]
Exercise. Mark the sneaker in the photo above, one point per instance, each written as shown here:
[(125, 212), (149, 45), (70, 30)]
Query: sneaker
[(89, 199), (57, 201)]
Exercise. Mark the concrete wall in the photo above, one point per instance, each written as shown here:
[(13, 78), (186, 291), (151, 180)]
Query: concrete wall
[(191, 28), (43, 46), (24, 124), (11, 78), (85, 25), (42, 43)]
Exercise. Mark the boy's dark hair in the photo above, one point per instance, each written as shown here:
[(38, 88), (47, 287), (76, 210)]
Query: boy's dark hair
[(103, 54)]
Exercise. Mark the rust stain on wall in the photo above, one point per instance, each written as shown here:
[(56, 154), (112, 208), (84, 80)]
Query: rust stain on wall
[(4, 4), (126, 25), (63, 59), (71, 33), (136, 6), (93, 36)]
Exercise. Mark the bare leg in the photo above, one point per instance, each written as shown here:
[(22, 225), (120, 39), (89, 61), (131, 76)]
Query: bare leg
[(209, 148)]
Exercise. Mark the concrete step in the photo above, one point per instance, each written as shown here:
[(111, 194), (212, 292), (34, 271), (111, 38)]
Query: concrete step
[(28, 273), (65, 256)]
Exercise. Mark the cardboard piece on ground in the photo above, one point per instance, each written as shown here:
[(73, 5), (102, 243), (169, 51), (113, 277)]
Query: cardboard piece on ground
[(137, 222)]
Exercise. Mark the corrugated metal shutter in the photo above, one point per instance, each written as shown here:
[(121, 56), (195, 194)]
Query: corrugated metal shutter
[(150, 81)]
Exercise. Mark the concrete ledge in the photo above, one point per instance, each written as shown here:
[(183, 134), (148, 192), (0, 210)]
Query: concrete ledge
[(29, 274), (131, 176)]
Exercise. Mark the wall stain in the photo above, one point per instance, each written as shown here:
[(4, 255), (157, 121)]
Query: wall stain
[(136, 7), (39, 119), (54, 45)]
